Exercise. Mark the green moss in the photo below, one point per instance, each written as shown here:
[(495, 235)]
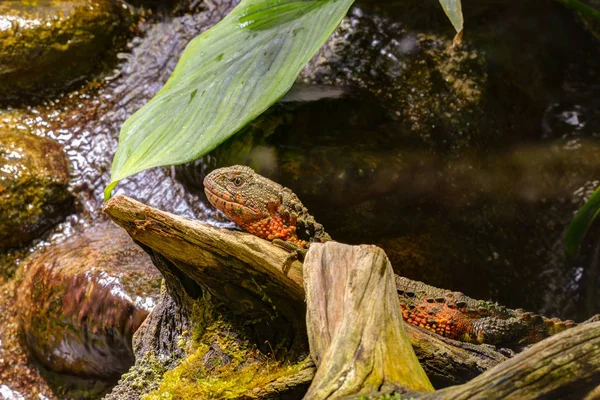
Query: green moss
[(9, 261), (144, 372), (392, 396), (143, 377), (193, 379), (221, 366)]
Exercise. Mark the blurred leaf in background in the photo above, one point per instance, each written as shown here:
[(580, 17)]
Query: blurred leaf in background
[(582, 222), (588, 12)]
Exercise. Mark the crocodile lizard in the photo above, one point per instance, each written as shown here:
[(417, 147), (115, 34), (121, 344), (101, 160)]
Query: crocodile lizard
[(456, 316), (273, 212), (262, 207)]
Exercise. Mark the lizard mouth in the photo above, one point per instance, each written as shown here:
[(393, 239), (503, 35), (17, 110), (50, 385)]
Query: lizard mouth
[(226, 203)]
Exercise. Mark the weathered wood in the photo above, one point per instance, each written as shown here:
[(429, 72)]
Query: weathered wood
[(449, 362), (233, 266), (564, 366), (255, 278), (355, 328)]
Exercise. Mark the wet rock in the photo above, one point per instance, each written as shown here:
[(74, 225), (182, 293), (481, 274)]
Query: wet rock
[(49, 44), (17, 375), (82, 300), (18, 372), (34, 175)]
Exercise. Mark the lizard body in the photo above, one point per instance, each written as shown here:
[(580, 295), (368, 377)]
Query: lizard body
[(273, 212), (459, 317)]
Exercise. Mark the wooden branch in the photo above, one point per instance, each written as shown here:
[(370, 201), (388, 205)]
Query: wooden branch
[(563, 366), (256, 278), (248, 275), (355, 328), (197, 243), (450, 362)]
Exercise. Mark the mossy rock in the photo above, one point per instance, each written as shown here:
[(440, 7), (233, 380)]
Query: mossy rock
[(34, 174), (50, 44), (82, 300)]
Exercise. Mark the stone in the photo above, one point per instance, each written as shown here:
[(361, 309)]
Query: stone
[(16, 371), (81, 301), (54, 43), (34, 178)]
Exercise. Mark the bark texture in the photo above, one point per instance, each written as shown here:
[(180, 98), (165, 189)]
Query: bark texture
[(564, 366), (355, 329)]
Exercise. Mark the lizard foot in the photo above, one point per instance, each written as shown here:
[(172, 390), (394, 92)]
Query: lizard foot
[(291, 247), (296, 252)]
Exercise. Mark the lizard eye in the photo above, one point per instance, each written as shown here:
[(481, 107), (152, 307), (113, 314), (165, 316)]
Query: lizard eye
[(237, 181)]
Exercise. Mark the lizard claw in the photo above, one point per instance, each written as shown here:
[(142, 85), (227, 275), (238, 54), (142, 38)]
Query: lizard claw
[(296, 253)]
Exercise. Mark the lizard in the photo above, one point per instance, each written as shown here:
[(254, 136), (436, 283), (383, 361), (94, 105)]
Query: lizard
[(459, 317), (273, 212), (262, 207)]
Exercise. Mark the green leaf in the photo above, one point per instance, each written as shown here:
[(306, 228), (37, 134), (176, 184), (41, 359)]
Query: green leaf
[(582, 8), (582, 222), (588, 13), (226, 77), (453, 10)]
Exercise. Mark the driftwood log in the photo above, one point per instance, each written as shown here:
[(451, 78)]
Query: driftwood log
[(355, 328), (359, 347), (564, 366), (253, 277)]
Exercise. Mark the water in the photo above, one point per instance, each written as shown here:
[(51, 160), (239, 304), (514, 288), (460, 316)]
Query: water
[(478, 158)]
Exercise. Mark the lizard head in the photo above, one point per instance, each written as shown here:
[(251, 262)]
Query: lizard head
[(241, 194)]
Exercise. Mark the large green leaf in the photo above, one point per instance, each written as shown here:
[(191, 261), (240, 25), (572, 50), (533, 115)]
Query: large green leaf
[(582, 222), (225, 78), (453, 10)]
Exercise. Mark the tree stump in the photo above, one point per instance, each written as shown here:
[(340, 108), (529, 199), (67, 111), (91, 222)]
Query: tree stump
[(355, 329)]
